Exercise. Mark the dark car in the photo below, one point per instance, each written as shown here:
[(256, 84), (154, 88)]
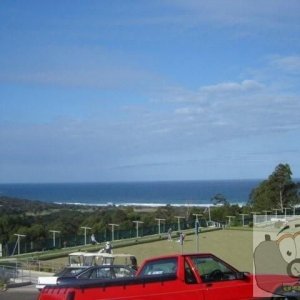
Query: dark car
[(102, 272)]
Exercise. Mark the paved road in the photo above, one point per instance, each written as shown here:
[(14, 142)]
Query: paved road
[(23, 293)]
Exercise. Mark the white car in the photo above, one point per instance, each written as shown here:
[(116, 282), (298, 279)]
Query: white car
[(52, 280)]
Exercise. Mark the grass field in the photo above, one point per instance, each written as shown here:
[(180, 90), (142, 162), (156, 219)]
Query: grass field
[(233, 246)]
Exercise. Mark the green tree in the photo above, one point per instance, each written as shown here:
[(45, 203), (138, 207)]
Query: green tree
[(277, 192), (219, 199)]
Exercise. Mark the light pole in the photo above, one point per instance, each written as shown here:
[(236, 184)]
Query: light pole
[(285, 209), (85, 229), (54, 232), (243, 218), (178, 222), (137, 227), (254, 216), (229, 219), (276, 210), (294, 210), (18, 241), (197, 216), (113, 230), (159, 220), (197, 225), (209, 217), (266, 214)]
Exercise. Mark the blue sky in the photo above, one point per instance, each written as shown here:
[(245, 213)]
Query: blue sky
[(148, 90)]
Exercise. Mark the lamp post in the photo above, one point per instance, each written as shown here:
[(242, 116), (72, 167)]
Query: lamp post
[(294, 210), (209, 217), (254, 216), (159, 220), (197, 225), (85, 229), (229, 219), (243, 218), (18, 241), (276, 210), (266, 214), (53, 233), (137, 227), (113, 230), (285, 209), (178, 222)]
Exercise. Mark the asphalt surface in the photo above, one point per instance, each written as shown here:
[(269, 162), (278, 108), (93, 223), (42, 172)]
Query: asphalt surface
[(28, 292)]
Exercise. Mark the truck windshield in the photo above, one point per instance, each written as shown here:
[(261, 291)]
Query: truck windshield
[(211, 269)]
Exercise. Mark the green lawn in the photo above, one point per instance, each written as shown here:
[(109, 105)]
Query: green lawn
[(233, 246)]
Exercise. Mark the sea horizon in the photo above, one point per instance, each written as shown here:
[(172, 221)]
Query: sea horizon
[(140, 193)]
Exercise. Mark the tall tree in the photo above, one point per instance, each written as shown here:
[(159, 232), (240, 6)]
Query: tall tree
[(277, 192), (219, 199)]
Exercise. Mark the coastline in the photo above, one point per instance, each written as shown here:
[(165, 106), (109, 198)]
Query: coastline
[(150, 194), (154, 205)]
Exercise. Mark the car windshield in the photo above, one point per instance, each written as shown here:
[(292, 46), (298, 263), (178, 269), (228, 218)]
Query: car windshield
[(212, 269)]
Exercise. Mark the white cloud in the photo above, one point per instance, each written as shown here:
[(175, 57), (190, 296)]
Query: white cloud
[(271, 14), (235, 109), (287, 63), (189, 110), (232, 87)]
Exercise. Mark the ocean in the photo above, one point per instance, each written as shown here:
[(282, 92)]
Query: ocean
[(176, 193)]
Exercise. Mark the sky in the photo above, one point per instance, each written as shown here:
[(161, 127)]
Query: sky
[(136, 90)]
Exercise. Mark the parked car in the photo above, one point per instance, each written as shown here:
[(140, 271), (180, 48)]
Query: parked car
[(79, 261), (66, 272), (98, 273)]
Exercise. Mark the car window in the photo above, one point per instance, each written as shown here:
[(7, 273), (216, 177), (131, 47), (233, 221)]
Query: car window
[(119, 272), (158, 267), (212, 269), (69, 272), (104, 273), (86, 274)]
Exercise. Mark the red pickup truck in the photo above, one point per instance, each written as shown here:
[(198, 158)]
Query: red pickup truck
[(181, 276)]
